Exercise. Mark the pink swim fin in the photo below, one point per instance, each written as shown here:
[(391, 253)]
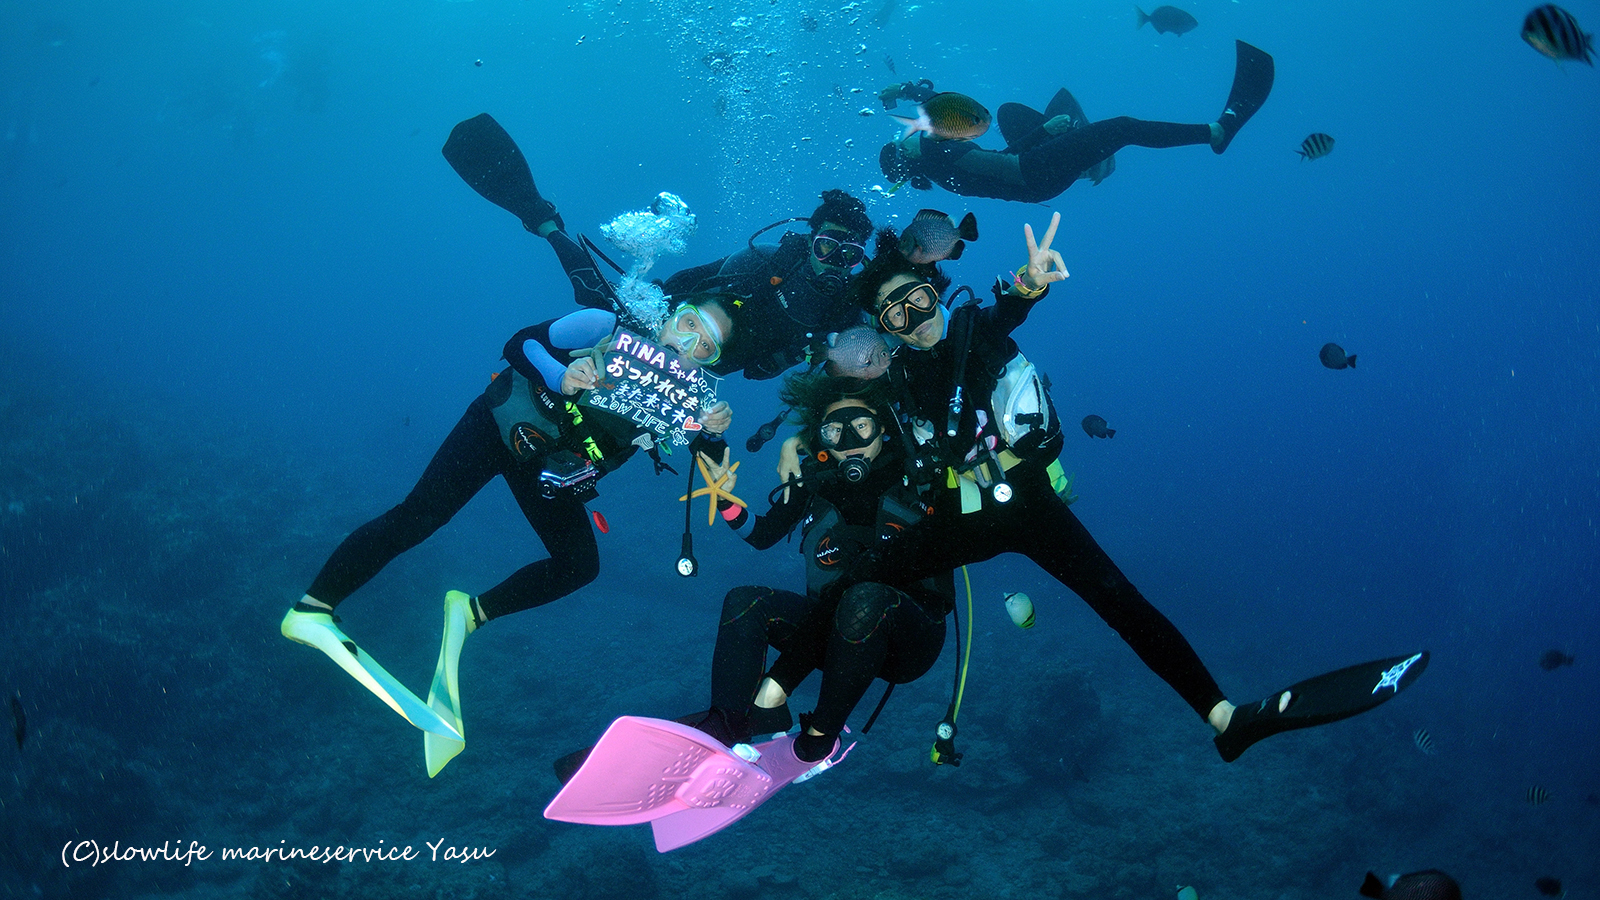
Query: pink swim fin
[(681, 780)]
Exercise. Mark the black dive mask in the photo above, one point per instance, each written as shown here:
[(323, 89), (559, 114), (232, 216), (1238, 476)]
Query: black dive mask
[(849, 428), (907, 307)]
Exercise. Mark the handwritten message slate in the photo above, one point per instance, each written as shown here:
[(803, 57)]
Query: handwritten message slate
[(653, 388)]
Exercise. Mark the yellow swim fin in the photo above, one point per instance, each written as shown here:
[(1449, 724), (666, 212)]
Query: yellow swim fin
[(317, 629), (444, 697)]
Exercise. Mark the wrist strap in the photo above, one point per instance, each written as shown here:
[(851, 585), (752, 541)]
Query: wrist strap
[(1021, 288)]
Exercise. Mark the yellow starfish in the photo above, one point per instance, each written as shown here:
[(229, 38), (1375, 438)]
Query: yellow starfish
[(713, 489)]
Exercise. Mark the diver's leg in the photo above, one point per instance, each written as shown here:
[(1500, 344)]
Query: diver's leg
[(860, 643), (752, 619), (589, 287), (1061, 159), (562, 524), (1050, 535), (464, 463)]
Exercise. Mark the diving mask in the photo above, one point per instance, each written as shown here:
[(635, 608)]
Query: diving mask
[(907, 307), (849, 428), (834, 249), (694, 334)]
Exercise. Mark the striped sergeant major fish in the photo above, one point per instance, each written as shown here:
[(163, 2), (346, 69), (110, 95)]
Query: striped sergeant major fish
[(1424, 741), (1538, 795), (1553, 31), (1316, 146)]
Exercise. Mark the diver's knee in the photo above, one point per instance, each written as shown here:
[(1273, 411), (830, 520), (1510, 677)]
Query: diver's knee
[(741, 599)]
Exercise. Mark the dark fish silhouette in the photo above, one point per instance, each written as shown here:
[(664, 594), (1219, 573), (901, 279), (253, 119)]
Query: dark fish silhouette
[(1538, 795), (1554, 659), (1167, 20), (1424, 741), (889, 61), (947, 116), (1553, 31), (1550, 887), (1095, 427), (19, 721), (1333, 356), (1316, 146), (933, 236), (1429, 884)]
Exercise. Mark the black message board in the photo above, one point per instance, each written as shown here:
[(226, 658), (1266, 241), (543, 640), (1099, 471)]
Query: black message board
[(653, 388)]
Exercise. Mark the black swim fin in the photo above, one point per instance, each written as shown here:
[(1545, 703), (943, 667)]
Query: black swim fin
[(1252, 82), (1320, 700), (1017, 123), (488, 160), (1064, 104)]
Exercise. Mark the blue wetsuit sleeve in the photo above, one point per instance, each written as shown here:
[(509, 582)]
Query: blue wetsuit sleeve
[(544, 349)]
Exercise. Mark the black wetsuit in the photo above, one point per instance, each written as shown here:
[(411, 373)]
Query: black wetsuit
[(1045, 165), (1036, 522), (470, 457), (871, 631)]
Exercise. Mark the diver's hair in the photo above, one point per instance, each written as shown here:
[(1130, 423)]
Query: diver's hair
[(725, 302), (808, 394), (887, 261), (840, 208)]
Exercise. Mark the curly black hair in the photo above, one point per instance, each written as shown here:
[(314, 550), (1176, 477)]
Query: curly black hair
[(808, 395), (841, 208), (887, 262)]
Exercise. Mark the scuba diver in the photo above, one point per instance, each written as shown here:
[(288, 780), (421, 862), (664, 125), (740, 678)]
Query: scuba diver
[(852, 495), (791, 294), (1046, 153), (530, 428), (795, 289), (998, 487)]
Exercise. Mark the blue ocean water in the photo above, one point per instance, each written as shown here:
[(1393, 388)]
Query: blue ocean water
[(243, 299)]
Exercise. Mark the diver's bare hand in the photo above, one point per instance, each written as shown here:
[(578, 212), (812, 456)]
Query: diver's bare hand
[(719, 470), (789, 462), (1044, 265), (580, 376), (717, 418)]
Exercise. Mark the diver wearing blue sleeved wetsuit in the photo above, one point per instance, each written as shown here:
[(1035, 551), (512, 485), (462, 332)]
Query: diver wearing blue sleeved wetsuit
[(526, 429)]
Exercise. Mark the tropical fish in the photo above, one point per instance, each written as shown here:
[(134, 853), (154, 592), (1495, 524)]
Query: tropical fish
[(1333, 356), (1316, 146), (933, 236), (1429, 884), (858, 352), (1424, 741), (1167, 20), (1554, 659), (889, 61), (1538, 795), (1553, 31), (947, 116), (1550, 887), (1188, 893), (1095, 427), (19, 721)]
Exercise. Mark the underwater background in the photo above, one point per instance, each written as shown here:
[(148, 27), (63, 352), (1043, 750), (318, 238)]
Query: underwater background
[(243, 298)]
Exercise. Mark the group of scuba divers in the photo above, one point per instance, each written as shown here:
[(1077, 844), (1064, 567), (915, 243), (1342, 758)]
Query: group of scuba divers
[(925, 443)]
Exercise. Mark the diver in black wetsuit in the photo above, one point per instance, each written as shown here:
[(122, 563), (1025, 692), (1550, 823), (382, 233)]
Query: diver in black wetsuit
[(1045, 155), (550, 451), (997, 489), (851, 496), (795, 290)]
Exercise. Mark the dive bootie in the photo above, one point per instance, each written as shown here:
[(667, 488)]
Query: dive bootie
[(444, 697), (1320, 700), (306, 624), (1252, 82)]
